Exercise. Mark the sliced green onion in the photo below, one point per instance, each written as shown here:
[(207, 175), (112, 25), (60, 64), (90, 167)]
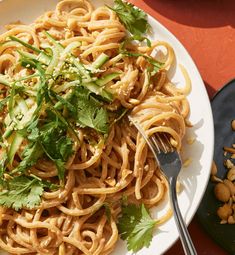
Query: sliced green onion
[(44, 59), (29, 46), (54, 42)]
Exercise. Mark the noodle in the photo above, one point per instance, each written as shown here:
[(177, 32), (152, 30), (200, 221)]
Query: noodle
[(72, 219)]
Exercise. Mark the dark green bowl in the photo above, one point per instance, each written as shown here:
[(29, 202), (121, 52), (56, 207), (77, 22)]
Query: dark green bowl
[(223, 108)]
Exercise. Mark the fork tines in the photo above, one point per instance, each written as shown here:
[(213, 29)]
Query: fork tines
[(162, 142)]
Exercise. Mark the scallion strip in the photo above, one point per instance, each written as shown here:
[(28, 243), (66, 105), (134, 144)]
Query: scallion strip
[(16, 142), (29, 46)]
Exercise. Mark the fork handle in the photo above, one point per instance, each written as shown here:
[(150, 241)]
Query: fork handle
[(185, 238)]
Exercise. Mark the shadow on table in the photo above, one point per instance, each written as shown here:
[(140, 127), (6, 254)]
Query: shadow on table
[(207, 13), (210, 90)]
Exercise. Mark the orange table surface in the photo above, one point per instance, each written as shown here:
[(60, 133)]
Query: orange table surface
[(207, 30)]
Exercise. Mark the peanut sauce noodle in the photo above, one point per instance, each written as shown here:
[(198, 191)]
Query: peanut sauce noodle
[(72, 220)]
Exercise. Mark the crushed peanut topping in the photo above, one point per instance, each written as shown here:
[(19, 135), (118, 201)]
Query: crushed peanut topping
[(225, 189)]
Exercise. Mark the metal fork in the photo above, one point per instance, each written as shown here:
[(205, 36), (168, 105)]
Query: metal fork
[(170, 163)]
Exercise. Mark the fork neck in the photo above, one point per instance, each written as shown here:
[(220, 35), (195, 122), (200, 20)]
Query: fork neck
[(185, 238)]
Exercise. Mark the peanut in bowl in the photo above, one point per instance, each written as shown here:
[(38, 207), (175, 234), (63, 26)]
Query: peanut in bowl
[(216, 211)]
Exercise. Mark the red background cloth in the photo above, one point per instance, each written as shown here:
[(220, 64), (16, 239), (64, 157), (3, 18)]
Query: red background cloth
[(207, 30)]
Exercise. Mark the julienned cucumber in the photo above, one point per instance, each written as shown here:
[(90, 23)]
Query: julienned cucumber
[(106, 79), (17, 140), (93, 87), (100, 61)]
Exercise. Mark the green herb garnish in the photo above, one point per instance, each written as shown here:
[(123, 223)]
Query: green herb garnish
[(155, 64), (48, 129), (22, 192), (134, 19), (89, 111), (136, 226)]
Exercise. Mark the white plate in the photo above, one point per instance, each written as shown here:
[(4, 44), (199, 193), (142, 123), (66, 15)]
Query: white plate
[(195, 177)]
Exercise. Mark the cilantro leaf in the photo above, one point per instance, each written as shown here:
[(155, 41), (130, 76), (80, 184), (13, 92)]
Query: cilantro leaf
[(89, 111), (32, 131), (64, 147), (30, 155), (60, 168), (96, 118), (22, 192), (55, 143), (130, 217), (136, 226), (142, 233), (47, 136), (134, 19)]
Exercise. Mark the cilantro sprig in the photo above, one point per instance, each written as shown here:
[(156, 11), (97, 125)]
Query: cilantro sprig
[(88, 110), (55, 142), (22, 192), (47, 136), (136, 226), (30, 156), (134, 19)]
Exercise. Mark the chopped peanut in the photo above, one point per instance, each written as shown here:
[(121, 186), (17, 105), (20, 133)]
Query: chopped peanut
[(213, 168), (222, 192), (228, 163), (111, 182), (231, 220), (229, 149), (225, 189), (230, 186), (214, 178), (233, 125), (233, 156), (231, 174), (224, 211)]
